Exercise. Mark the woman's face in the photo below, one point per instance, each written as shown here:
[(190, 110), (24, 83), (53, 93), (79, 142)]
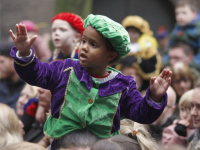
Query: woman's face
[(181, 85), (26, 94)]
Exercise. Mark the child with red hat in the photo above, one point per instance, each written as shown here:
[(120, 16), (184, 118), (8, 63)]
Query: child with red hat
[(67, 29)]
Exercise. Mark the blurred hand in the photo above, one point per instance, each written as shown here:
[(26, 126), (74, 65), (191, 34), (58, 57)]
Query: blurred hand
[(159, 85), (44, 98), (40, 114), (22, 42), (22, 127), (184, 122)]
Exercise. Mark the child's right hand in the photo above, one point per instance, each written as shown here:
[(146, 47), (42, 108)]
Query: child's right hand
[(22, 42)]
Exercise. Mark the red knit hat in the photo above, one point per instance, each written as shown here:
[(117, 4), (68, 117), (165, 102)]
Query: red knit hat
[(74, 20)]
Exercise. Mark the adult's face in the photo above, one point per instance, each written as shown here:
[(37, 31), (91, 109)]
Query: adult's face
[(26, 94), (177, 55), (195, 108), (6, 67)]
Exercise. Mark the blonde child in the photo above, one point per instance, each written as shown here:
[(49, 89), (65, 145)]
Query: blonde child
[(10, 126), (85, 92), (177, 133), (138, 132)]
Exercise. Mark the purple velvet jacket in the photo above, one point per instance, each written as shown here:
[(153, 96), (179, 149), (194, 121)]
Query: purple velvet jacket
[(132, 104)]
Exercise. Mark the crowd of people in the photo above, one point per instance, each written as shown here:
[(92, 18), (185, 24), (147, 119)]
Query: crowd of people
[(106, 86)]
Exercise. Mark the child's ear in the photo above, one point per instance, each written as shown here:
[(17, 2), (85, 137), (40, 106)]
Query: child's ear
[(112, 56)]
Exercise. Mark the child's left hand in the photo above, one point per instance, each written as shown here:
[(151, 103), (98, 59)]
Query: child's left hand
[(159, 85)]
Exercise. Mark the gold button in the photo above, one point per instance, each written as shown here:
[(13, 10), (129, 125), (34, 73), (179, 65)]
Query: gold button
[(90, 101)]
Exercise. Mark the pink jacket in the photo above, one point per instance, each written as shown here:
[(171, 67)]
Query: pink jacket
[(170, 137)]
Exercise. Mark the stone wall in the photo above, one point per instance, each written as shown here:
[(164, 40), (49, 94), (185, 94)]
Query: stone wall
[(14, 11)]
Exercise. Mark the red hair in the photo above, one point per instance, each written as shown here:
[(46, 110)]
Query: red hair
[(74, 20)]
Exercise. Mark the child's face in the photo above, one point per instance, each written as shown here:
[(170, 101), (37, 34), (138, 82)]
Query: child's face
[(63, 36), (184, 15), (93, 53), (181, 85), (184, 112), (134, 35)]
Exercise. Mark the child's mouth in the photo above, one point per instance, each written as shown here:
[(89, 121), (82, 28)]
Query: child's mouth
[(83, 57), (56, 40)]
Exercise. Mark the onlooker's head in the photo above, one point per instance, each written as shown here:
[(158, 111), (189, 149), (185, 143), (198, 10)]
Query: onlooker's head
[(27, 93), (182, 78), (162, 37), (169, 109), (181, 52), (23, 146), (7, 70), (186, 11), (10, 129), (195, 107), (118, 142), (67, 29), (185, 105), (136, 26), (138, 132), (80, 139)]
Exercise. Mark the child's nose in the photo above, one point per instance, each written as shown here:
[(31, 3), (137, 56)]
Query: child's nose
[(85, 47)]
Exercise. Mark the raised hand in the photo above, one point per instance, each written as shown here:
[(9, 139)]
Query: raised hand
[(21, 40), (159, 85)]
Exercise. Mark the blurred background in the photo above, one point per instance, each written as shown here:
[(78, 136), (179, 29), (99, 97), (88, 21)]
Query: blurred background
[(156, 12)]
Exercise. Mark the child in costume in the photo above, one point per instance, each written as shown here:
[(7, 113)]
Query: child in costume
[(143, 43), (187, 28), (85, 92), (67, 29)]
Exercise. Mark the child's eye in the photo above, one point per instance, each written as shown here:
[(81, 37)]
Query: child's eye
[(83, 41), (62, 29), (192, 105), (93, 45)]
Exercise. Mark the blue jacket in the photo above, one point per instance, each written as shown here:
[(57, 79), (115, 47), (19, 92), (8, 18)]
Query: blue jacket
[(10, 92)]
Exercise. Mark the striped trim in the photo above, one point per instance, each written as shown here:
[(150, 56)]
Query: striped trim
[(66, 89)]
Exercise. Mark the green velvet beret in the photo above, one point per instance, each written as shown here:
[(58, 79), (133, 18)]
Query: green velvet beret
[(111, 30)]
